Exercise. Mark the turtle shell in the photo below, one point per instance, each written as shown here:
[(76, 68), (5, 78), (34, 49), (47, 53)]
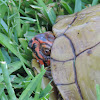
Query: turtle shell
[(75, 54)]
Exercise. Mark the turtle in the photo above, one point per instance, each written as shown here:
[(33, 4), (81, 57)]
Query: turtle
[(72, 50)]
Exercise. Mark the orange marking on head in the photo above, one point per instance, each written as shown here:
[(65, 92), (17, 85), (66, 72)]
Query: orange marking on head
[(42, 46)]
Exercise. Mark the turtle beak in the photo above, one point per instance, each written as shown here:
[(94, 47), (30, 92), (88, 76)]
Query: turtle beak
[(30, 44)]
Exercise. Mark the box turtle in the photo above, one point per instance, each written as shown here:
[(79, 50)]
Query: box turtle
[(73, 52)]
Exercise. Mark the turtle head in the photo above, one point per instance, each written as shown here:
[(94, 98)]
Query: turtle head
[(41, 46)]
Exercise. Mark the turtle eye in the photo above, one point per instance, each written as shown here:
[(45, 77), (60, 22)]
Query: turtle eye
[(46, 51)]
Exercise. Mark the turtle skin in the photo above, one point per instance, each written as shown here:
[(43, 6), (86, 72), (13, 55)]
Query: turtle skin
[(75, 54)]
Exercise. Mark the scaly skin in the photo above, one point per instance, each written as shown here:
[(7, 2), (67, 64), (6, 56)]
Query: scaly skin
[(41, 46)]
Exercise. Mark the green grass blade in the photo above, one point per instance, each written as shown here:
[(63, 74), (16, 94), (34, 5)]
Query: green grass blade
[(51, 15), (30, 98), (3, 96), (31, 87), (25, 28), (29, 19), (3, 10), (6, 56), (2, 86), (78, 6), (17, 22), (24, 44), (7, 80), (14, 66), (37, 93), (4, 40), (42, 4), (19, 4), (22, 61), (23, 12), (1, 56), (1, 78), (48, 12), (36, 7), (45, 97), (67, 7), (2, 22), (29, 35), (38, 25), (46, 90), (98, 91), (94, 2)]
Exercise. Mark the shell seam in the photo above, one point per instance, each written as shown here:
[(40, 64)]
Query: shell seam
[(75, 73), (88, 49)]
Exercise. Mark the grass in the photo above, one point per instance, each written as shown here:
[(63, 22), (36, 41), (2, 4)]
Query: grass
[(19, 22)]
